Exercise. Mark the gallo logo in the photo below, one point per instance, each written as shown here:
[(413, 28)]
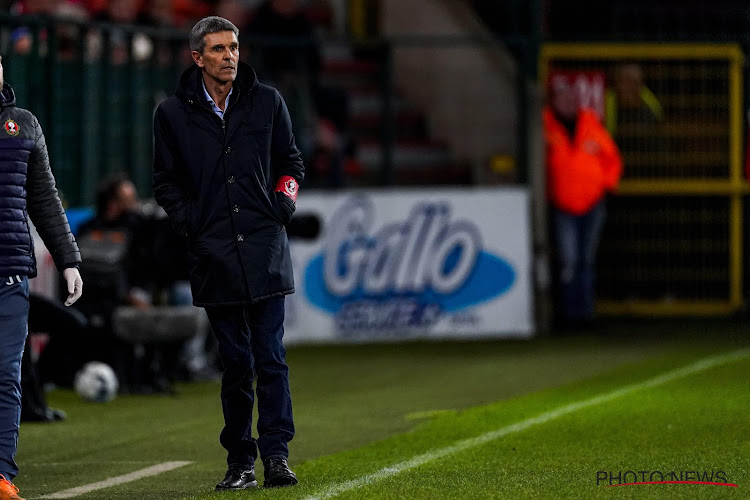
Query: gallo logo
[(404, 276)]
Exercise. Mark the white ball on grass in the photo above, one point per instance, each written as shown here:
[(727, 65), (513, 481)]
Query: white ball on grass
[(96, 382)]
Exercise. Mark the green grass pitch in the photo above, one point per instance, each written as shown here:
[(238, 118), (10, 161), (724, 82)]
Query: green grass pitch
[(412, 420)]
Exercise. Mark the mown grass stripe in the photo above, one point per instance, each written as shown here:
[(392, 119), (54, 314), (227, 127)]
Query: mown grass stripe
[(113, 481), (466, 444)]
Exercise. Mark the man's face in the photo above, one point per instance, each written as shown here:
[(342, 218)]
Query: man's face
[(127, 197), (564, 101), (219, 57), (125, 200), (628, 84)]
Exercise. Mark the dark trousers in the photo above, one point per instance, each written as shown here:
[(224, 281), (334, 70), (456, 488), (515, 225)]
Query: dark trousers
[(14, 314), (577, 239), (250, 346)]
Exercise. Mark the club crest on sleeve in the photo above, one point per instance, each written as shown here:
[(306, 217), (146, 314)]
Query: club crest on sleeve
[(11, 127), (290, 187)]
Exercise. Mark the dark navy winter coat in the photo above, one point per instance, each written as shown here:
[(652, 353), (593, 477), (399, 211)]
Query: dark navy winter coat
[(216, 179), (27, 190)]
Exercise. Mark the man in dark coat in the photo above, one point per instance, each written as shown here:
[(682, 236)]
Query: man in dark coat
[(226, 171), (27, 190)]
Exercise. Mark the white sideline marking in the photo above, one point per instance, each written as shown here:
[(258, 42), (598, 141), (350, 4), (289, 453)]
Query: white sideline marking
[(112, 481), (72, 463), (465, 444)]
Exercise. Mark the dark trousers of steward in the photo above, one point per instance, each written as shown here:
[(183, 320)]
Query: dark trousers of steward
[(14, 316)]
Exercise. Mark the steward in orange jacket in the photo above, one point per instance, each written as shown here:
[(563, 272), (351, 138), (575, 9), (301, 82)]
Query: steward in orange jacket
[(583, 164)]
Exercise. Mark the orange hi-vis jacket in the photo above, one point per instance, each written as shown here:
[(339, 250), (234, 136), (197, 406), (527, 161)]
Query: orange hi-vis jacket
[(580, 171)]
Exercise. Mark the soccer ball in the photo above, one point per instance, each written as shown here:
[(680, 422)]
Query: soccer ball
[(96, 382)]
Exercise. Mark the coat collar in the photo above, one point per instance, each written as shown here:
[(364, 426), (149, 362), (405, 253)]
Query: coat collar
[(7, 96), (190, 85)]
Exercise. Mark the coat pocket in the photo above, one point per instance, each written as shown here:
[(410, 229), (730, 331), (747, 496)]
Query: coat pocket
[(194, 220)]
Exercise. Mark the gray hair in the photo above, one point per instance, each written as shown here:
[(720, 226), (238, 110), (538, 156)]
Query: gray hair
[(210, 24)]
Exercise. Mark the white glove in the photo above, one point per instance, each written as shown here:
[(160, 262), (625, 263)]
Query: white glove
[(75, 284)]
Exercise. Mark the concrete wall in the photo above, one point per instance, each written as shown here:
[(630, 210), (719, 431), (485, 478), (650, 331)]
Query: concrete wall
[(468, 91)]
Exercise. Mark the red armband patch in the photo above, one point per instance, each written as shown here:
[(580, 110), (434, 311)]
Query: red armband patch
[(289, 186)]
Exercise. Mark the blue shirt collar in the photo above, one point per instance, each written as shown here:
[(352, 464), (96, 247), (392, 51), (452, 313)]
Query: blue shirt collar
[(216, 109)]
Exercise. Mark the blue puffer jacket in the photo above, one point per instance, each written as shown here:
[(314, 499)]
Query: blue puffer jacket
[(27, 190)]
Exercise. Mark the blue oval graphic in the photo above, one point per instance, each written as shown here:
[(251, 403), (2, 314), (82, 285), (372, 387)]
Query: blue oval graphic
[(490, 277)]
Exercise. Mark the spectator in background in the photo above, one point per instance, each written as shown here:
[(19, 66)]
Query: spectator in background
[(630, 100), (108, 238), (27, 186), (132, 257), (633, 116), (109, 245), (68, 35), (583, 165), (22, 41)]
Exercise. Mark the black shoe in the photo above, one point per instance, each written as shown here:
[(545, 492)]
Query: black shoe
[(238, 478), (277, 473), (46, 415), (36, 415)]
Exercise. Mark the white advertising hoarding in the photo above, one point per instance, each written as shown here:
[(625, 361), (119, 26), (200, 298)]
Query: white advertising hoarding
[(389, 265), (405, 264)]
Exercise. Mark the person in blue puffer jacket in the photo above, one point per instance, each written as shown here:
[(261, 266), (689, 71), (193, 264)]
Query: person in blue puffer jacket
[(27, 193)]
